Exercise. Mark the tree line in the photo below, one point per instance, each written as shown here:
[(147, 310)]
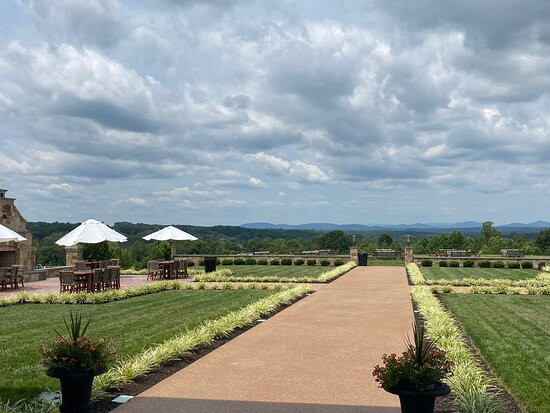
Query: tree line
[(236, 240)]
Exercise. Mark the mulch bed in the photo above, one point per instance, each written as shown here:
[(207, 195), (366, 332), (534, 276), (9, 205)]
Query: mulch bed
[(147, 381)]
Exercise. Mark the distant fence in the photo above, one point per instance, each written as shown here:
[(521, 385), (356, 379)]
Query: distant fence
[(196, 258)]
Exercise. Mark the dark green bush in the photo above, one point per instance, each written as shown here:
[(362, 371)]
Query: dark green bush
[(262, 261), (299, 261), (311, 262), (250, 261), (484, 264), (274, 262), (325, 263), (498, 264), (468, 263), (239, 261), (443, 264), (227, 261), (513, 265), (201, 263), (527, 264), (190, 264), (338, 262), (218, 262), (454, 264), (286, 261), (426, 263)]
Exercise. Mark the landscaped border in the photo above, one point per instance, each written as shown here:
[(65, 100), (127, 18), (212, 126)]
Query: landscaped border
[(503, 290), (125, 371), (118, 295), (473, 389), (538, 285), (323, 278)]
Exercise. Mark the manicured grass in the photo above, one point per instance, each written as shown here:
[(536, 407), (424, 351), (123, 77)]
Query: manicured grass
[(134, 324), (513, 335), (282, 271), (448, 273), (397, 263)]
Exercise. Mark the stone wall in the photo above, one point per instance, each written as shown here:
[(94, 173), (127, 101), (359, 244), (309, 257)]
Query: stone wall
[(196, 258), (73, 254)]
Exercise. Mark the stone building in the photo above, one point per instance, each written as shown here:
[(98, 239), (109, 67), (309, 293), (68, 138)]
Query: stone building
[(18, 253)]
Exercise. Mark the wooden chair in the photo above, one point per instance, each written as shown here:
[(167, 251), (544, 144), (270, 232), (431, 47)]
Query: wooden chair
[(80, 265), (4, 278), (97, 282), (107, 278), (67, 282), (153, 270), (115, 275), (17, 276), (182, 272)]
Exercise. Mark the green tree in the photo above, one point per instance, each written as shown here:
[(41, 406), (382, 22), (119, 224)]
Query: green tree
[(543, 240), (335, 241), (488, 231), (99, 251), (384, 241), (161, 251)]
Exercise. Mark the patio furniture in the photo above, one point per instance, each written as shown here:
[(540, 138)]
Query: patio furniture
[(167, 268), (97, 283), (107, 278), (83, 279), (80, 265), (181, 269), (17, 276), (67, 282), (115, 275), (153, 270), (4, 279)]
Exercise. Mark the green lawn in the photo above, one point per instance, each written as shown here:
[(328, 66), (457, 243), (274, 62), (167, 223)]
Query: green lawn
[(448, 273), (373, 262), (513, 335), (135, 324), (282, 271)]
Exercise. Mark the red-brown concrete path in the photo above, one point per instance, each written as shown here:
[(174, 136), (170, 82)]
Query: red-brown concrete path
[(316, 356)]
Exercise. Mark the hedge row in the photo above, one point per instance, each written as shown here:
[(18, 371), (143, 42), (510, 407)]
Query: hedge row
[(480, 264), (284, 261)]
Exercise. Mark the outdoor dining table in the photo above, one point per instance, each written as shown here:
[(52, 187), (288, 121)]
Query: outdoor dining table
[(88, 274), (167, 268)]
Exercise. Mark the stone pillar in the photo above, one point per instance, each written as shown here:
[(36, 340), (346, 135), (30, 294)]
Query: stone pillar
[(73, 254), (408, 254), (353, 254)]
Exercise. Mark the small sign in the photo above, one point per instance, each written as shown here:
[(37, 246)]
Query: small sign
[(122, 399)]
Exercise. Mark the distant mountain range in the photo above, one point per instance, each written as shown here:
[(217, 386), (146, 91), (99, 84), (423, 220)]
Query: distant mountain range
[(321, 226)]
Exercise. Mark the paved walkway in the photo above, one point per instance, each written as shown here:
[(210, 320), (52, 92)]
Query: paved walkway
[(316, 356)]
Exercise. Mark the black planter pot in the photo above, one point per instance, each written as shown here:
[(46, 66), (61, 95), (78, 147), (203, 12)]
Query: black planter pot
[(76, 389), (414, 401)]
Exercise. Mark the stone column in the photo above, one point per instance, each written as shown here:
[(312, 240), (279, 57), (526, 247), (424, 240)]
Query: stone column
[(73, 254), (408, 254), (353, 254)]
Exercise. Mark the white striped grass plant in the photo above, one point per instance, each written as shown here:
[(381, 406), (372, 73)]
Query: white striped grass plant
[(473, 390)]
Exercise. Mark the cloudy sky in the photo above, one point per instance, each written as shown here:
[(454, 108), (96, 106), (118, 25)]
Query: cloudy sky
[(225, 112)]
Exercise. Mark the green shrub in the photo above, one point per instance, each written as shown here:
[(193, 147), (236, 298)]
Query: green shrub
[(484, 264), (227, 261), (514, 265), (338, 262), (426, 263), (201, 263), (191, 264), (286, 261), (218, 262), (325, 263), (527, 264), (443, 264), (250, 261), (498, 264), (239, 261), (299, 261), (468, 263), (311, 261), (274, 262), (261, 261), (454, 264)]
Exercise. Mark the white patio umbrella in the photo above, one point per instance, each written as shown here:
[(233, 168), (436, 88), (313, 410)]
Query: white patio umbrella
[(170, 234), (7, 234), (90, 232)]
